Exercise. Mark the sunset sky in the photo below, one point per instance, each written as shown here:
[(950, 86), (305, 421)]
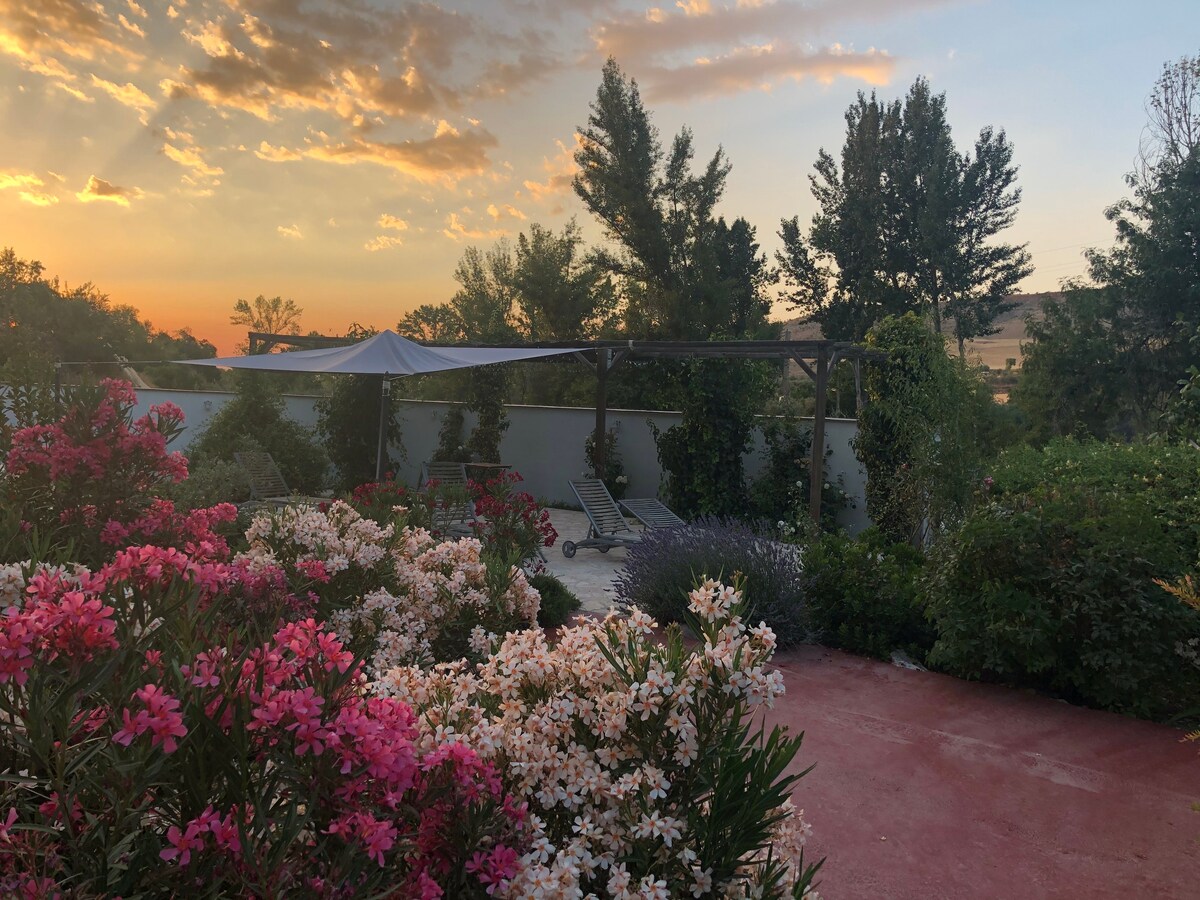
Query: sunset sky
[(343, 153)]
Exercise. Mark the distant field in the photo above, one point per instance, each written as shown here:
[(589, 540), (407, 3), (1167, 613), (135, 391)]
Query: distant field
[(992, 351)]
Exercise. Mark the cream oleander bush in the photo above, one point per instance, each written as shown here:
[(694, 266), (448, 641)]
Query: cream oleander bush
[(643, 771)]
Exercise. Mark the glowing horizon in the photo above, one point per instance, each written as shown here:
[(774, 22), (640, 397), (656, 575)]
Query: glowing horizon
[(343, 153)]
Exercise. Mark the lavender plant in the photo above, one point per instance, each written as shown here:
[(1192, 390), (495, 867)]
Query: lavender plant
[(661, 569)]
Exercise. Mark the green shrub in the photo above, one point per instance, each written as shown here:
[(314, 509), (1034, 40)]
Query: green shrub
[(1165, 477), (256, 420), (781, 488), (614, 478), (209, 482), (1053, 589), (558, 600), (864, 595)]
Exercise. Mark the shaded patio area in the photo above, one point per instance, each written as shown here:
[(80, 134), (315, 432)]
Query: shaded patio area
[(927, 786)]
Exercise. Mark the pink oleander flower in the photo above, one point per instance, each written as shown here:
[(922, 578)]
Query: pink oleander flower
[(17, 640), (494, 869), (182, 843), (7, 824), (161, 717)]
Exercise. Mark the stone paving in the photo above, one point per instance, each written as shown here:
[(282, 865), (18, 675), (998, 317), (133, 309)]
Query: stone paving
[(590, 573)]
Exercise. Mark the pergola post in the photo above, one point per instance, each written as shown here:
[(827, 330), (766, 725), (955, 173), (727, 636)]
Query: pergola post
[(599, 447), (817, 467)]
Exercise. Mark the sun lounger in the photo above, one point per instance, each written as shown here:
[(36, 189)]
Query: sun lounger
[(608, 527), (652, 513), (267, 487)]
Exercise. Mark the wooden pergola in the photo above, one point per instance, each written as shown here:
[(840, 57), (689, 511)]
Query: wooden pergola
[(816, 359)]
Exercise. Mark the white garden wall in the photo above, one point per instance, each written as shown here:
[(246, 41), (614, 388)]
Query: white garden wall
[(543, 443)]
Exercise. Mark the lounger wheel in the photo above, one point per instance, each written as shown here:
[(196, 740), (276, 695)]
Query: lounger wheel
[(568, 549), (604, 549)]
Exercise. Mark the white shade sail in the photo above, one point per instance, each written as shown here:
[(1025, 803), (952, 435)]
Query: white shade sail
[(387, 353)]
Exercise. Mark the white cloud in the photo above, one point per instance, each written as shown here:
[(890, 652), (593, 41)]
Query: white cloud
[(292, 232)]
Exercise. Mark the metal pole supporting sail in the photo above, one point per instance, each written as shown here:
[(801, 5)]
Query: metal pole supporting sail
[(385, 393)]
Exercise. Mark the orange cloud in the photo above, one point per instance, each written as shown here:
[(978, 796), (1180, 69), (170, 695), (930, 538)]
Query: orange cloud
[(292, 232), (560, 173), (97, 189), (506, 211), (392, 222), (191, 158), (130, 26), (79, 29), (74, 92), (28, 187), (276, 154), (761, 67), (456, 230), (127, 94), (382, 242), (752, 44), (447, 156)]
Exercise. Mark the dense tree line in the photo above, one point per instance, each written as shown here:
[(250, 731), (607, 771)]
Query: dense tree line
[(46, 321)]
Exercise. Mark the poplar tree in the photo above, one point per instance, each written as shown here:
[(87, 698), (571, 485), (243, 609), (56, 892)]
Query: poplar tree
[(907, 223)]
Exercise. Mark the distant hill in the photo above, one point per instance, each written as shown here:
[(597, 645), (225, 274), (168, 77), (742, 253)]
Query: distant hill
[(993, 351)]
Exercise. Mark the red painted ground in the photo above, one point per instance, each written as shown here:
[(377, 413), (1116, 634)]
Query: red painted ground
[(983, 791)]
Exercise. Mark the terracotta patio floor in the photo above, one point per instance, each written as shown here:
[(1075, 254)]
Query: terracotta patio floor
[(929, 787)]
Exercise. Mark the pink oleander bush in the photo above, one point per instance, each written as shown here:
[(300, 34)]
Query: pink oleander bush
[(639, 758), (150, 749), (93, 470)]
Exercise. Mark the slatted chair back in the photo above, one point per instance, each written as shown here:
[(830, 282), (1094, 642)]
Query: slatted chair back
[(652, 513), (455, 512), (450, 473), (266, 481), (600, 508)]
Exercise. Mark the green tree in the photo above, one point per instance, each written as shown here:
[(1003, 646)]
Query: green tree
[(434, 323), (906, 223), (44, 322), (481, 311), (919, 435), (1082, 369), (270, 316), (655, 209), (683, 274), (1109, 358), (560, 291)]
